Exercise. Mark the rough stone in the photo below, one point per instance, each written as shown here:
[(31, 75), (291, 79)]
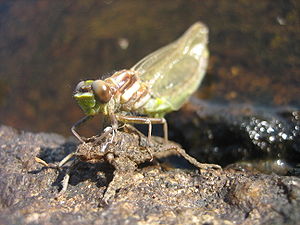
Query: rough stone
[(157, 193)]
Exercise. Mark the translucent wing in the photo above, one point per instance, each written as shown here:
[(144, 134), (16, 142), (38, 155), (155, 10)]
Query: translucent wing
[(175, 71)]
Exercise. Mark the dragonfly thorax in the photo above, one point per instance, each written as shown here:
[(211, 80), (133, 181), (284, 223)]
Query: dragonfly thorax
[(130, 94), (123, 91)]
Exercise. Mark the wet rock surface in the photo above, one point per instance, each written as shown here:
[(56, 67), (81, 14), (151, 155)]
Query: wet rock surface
[(266, 139), (155, 192)]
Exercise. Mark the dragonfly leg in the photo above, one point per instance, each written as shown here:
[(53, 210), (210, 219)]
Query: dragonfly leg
[(55, 166), (65, 181), (66, 178), (149, 129), (165, 124), (105, 133), (66, 159), (145, 120), (191, 159), (77, 124), (114, 121)]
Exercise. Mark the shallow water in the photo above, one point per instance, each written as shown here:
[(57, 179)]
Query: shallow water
[(46, 47)]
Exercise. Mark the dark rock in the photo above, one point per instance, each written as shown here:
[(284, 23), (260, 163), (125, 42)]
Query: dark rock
[(156, 193), (264, 138)]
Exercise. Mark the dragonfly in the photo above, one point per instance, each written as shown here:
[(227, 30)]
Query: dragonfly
[(158, 84)]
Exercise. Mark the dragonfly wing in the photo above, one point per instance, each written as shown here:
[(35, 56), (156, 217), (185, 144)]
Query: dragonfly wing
[(153, 60), (175, 71)]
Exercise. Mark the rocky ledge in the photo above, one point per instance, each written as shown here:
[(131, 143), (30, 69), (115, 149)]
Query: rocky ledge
[(155, 192)]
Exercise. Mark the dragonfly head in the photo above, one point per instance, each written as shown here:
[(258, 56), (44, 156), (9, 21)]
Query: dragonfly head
[(92, 96)]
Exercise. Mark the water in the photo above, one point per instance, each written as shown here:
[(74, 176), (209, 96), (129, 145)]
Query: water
[(46, 47)]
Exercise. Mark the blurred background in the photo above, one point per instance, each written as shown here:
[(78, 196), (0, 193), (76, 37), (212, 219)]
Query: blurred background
[(48, 46)]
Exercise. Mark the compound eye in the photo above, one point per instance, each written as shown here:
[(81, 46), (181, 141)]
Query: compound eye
[(101, 91), (79, 86)]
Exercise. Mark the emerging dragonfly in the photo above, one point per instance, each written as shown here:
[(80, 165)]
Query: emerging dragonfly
[(158, 84)]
